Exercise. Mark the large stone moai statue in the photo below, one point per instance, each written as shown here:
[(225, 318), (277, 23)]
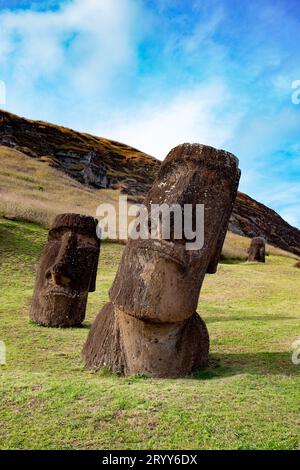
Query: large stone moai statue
[(150, 326), (257, 250), (67, 272)]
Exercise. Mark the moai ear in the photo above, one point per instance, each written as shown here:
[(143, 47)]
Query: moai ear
[(214, 260), (92, 287)]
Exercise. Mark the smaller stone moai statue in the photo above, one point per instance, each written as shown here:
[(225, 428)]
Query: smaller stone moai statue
[(67, 272), (150, 326), (257, 250)]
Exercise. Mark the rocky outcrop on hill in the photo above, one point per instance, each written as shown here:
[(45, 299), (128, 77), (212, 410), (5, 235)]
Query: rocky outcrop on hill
[(253, 219), (103, 163), (94, 161)]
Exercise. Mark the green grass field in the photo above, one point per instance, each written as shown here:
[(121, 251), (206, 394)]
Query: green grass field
[(249, 398)]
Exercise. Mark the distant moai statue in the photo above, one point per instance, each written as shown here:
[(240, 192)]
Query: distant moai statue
[(257, 250), (67, 272), (150, 326), (2, 353)]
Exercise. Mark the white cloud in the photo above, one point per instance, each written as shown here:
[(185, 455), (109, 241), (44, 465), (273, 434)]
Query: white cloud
[(205, 114), (80, 66), (194, 115), (201, 35), (84, 46)]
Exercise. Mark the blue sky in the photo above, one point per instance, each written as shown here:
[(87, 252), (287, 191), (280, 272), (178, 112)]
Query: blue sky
[(156, 73)]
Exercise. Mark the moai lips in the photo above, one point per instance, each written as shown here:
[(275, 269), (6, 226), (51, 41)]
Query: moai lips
[(257, 250), (67, 272), (151, 326)]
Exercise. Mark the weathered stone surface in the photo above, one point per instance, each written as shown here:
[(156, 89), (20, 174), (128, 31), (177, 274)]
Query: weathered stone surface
[(257, 250), (150, 326), (67, 272), (127, 345)]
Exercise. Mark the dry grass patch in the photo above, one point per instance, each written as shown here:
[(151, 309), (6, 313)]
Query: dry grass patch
[(33, 191)]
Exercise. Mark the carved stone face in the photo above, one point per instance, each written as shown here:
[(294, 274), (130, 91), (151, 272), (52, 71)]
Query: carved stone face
[(159, 280), (151, 326), (67, 272), (257, 250)]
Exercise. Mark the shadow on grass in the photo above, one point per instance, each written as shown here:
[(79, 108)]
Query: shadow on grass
[(263, 318), (18, 238), (82, 326), (232, 261), (264, 363)]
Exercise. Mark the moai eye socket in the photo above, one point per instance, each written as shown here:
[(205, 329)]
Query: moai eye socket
[(84, 240), (56, 234)]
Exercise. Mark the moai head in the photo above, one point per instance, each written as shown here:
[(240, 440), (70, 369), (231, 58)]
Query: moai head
[(151, 325), (257, 250), (67, 271), (160, 279)]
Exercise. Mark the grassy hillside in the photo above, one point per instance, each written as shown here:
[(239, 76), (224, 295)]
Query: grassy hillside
[(248, 398), (95, 160), (32, 191)]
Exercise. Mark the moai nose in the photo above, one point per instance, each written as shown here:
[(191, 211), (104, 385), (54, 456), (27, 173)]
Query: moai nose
[(60, 280), (63, 270)]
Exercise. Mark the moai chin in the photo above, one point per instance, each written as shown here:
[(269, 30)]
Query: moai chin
[(150, 326), (257, 250), (67, 272)]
